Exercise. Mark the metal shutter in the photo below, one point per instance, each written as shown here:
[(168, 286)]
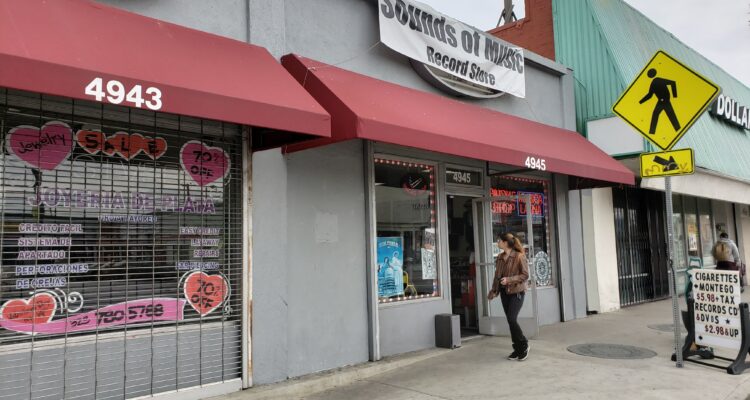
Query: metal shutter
[(121, 250)]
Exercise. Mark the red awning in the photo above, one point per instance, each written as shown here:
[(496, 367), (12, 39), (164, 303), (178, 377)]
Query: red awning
[(58, 47), (367, 108)]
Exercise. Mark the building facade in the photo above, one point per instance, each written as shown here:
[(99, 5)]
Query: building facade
[(405, 178), (302, 198), (126, 200), (627, 261)]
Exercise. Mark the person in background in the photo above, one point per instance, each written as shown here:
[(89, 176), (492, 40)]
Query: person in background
[(511, 274), (726, 253)]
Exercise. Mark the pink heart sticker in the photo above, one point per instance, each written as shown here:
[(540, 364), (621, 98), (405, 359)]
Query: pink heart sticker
[(154, 147), (39, 309), (203, 163), (42, 148), (205, 292), (126, 145)]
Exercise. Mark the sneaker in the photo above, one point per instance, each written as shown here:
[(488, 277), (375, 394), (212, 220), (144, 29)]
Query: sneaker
[(525, 354), (513, 355)]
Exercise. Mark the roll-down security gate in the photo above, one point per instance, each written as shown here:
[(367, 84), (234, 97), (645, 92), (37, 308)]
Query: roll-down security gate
[(121, 250), (641, 245)]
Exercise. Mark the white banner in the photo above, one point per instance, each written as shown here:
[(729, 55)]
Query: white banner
[(419, 32), (717, 308)]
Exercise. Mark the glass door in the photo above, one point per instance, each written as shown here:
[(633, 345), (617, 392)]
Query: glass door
[(486, 229)]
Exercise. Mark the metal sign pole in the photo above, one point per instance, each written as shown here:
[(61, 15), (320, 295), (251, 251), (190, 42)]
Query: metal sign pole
[(673, 275)]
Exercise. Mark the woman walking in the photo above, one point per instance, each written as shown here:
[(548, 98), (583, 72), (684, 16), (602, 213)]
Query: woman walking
[(511, 274)]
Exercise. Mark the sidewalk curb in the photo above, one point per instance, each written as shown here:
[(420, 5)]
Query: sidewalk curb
[(322, 381)]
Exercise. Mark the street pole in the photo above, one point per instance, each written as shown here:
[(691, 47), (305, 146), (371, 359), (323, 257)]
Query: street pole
[(673, 275), (629, 108)]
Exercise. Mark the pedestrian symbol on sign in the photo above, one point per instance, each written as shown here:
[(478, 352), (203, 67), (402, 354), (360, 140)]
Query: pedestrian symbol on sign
[(660, 88), (651, 104)]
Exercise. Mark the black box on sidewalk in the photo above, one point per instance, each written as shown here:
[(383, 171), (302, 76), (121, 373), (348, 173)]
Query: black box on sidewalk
[(447, 331)]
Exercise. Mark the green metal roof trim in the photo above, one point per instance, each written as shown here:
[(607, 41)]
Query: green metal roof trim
[(579, 43), (622, 39)]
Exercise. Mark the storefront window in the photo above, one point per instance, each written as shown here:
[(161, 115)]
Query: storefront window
[(691, 228), (679, 233), (510, 216), (406, 231), (707, 230), (114, 218)]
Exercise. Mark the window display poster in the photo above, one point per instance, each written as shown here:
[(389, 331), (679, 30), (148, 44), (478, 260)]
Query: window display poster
[(692, 237), (428, 264), (429, 239), (429, 269), (390, 266)]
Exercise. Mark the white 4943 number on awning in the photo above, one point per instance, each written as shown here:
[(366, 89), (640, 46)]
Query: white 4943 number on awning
[(419, 32)]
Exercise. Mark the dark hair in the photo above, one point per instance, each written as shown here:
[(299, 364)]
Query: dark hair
[(511, 241), (724, 235)]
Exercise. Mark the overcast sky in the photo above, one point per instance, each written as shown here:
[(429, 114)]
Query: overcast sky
[(717, 29)]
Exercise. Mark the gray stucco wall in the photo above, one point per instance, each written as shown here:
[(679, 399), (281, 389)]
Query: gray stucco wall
[(309, 275), (345, 33), (270, 321), (351, 40), (225, 18), (410, 327), (549, 305), (327, 279)]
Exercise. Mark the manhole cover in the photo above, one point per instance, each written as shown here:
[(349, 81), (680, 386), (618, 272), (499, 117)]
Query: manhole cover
[(665, 327), (614, 351)]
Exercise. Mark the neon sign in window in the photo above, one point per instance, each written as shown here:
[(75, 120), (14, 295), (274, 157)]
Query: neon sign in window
[(517, 207), (536, 200)]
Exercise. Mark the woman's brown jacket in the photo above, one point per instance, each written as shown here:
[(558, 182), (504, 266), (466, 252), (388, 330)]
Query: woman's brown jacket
[(515, 268)]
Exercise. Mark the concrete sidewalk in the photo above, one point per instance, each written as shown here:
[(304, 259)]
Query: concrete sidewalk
[(479, 370)]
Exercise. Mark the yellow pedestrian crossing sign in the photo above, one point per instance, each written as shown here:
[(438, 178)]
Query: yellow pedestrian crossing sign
[(667, 163), (664, 100)]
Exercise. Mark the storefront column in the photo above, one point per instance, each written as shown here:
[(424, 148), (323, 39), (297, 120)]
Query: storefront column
[(577, 259), (742, 215), (589, 250), (270, 319), (247, 260), (372, 273), (600, 250), (572, 281)]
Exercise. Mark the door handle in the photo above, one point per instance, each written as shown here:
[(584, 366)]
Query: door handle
[(485, 264)]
